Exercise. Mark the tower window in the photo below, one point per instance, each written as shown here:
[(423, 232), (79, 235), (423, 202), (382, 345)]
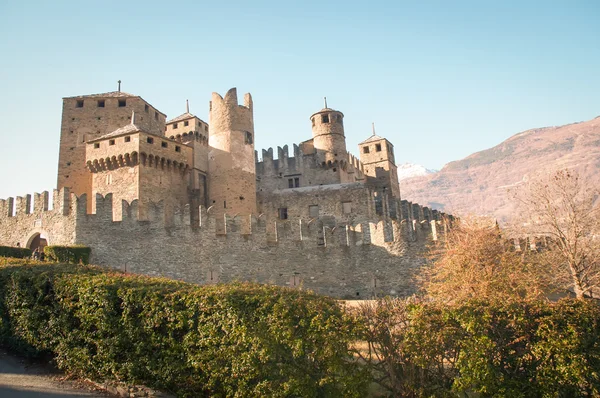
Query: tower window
[(96, 145), (127, 139), (111, 142), (325, 118), (150, 140), (206, 129), (163, 144), (155, 115), (80, 103), (174, 125), (186, 123), (146, 108), (177, 148), (347, 207), (283, 215), (365, 149), (101, 103), (378, 147), (122, 103), (248, 139)]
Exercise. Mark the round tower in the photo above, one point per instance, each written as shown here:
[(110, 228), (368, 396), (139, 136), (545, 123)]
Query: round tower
[(232, 168), (328, 135)]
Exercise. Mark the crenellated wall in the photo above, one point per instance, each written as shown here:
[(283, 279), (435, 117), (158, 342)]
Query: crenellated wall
[(338, 257), (21, 226), (275, 173)]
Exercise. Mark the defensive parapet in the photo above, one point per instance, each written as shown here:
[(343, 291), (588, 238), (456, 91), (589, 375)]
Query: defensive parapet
[(20, 222), (334, 256)]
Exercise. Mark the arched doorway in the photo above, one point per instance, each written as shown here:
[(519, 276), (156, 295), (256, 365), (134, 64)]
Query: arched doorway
[(38, 241)]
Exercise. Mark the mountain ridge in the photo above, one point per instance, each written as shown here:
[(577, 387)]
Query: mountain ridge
[(479, 183)]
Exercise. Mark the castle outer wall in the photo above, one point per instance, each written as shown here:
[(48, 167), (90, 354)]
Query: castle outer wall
[(329, 256)]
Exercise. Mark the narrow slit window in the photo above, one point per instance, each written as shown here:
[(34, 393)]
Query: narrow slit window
[(283, 213)]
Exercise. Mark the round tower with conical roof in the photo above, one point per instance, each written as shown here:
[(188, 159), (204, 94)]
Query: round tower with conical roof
[(328, 135)]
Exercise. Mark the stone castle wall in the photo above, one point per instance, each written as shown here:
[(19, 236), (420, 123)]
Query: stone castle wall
[(341, 258), (273, 174)]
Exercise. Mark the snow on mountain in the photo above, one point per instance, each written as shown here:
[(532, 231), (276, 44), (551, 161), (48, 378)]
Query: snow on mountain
[(409, 170)]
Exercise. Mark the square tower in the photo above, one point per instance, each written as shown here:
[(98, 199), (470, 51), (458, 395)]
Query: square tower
[(377, 156), (88, 117)]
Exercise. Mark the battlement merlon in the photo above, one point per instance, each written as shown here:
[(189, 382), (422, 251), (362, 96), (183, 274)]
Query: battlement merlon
[(227, 115), (10, 207)]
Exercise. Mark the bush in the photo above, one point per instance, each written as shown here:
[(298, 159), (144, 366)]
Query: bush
[(68, 254), (15, 252), (241, 340), (508, 349)]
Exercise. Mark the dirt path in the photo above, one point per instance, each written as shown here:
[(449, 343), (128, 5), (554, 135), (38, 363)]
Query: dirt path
[(21, 379)]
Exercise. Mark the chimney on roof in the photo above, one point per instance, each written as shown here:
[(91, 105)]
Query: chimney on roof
[(119, 85), (187, 106), (325, 98), (373, 124)]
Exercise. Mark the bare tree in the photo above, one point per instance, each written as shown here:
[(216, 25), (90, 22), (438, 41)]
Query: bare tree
[(476, 260), (562, 210)]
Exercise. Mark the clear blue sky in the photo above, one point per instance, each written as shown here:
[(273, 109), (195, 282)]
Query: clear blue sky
[(440, 79)]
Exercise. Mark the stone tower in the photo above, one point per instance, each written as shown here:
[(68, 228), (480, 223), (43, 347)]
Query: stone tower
[(88, 117), (377, 156), (232, 168), (328, 135)]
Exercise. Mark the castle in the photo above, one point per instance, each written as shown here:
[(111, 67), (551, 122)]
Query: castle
[(192, 200)]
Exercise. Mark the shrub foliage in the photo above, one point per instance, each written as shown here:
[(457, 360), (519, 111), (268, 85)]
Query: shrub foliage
[(486, 348), (68, 254), (15, 252), (241, 340)]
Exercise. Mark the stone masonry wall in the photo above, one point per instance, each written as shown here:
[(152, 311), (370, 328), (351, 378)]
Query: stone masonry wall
[(341, 258), (56, 224)]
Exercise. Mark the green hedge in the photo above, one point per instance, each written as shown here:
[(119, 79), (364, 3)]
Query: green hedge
[(15, 252), (68, 254), (491, 349), (241, 340)]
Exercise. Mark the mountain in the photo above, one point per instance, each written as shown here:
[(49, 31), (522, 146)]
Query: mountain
[(479, 184), (409, 170)]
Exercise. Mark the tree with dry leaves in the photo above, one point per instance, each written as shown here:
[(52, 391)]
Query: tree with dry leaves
[(477, 261), (561, 210)]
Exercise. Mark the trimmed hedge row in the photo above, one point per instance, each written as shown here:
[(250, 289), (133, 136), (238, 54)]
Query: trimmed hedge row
[(15, 252), (68, 254), (241, 340), (479, 348)]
